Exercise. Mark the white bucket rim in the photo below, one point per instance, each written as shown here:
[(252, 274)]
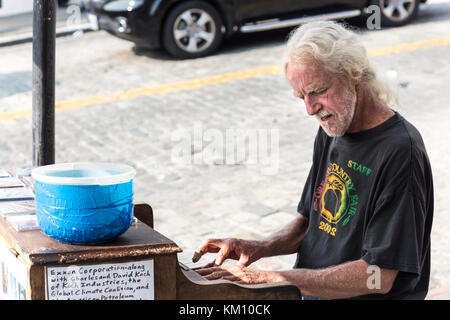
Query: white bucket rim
[(127, 173)]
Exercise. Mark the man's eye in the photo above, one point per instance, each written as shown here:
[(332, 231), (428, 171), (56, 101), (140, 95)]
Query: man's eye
[(319, 91), (298, 95)]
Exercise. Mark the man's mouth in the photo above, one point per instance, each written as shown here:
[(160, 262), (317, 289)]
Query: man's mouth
[(324, 116)]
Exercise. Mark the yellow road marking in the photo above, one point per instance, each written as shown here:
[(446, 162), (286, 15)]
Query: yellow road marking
[(410, 46), (148, 91), (207, 81)]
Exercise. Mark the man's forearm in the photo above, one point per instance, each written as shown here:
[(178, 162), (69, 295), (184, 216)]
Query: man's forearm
[(341, 281), (287, 240)]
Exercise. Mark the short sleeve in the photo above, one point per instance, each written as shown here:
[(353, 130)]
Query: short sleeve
[(393, 238)]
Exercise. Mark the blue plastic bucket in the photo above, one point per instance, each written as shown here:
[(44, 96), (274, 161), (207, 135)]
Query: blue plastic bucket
[(84, 203)]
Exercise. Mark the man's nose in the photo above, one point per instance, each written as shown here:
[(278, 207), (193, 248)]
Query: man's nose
[(312, 107)]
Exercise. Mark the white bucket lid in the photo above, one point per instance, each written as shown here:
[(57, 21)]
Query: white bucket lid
[(104, 173)]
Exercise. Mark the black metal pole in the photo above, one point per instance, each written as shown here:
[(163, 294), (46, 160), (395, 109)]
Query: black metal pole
[(44, 34)]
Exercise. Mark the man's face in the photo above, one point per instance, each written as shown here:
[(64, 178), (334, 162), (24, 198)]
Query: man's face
[(327, 97)]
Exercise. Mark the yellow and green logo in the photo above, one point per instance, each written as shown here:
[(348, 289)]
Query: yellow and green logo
[(336, 198)]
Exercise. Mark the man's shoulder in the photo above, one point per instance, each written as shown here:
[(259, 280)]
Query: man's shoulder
[(404, 135), (403, 143)]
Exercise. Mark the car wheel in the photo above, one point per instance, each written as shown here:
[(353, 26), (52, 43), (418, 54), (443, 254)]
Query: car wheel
[(397, 12), (192, 29)]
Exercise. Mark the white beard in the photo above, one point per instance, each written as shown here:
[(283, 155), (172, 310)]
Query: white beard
[(340, 123)]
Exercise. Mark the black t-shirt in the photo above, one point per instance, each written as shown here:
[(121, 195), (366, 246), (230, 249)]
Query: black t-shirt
[(369, 195)]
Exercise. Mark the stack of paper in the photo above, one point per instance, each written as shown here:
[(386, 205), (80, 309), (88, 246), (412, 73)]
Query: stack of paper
[(12, 194), (23, 171), (15, 208), (17, 203), (24, 174), (11, 182), (24, 222)]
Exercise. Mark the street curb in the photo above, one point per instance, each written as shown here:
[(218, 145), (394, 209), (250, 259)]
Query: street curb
[(28, 37)]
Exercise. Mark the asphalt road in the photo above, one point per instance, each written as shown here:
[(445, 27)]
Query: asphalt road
[(122, 104)]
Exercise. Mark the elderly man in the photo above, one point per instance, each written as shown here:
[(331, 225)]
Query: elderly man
[(366, 210)]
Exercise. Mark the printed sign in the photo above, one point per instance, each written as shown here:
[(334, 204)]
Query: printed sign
[(117, 281)]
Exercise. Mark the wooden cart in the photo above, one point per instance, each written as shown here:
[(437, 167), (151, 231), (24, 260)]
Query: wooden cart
[(139, 264)]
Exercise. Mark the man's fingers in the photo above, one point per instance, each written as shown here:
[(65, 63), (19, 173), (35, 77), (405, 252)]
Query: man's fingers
[(230, 273), (214, 276), (209, 245), (197, 255), (205, 271), (210, 265), (222, 255), (220, 274), (225, 248), (243, 260), (213, 273), (232, 278)]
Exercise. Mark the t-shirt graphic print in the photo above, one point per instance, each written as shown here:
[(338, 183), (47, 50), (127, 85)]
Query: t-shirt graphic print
[(335, 198)]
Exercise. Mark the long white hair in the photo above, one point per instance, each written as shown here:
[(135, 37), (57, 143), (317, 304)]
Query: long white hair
[(339, 51)]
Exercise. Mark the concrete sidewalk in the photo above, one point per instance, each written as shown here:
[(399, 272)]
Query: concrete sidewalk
[(19, 28)]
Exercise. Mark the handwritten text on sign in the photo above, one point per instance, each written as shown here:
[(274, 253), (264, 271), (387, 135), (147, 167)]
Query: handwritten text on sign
[(117, 281)]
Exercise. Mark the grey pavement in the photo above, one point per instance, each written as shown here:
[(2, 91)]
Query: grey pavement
[(23, 22), (18, 28), (193, 201)]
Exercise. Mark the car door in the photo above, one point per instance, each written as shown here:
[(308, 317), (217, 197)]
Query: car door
[(246, 10), (254, 9)]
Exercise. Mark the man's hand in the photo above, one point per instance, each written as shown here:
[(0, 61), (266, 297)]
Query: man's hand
[(245, 251), (240, 274), (285, 241)]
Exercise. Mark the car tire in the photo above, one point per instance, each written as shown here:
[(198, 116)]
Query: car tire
[(192, 29), (395, 13)]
